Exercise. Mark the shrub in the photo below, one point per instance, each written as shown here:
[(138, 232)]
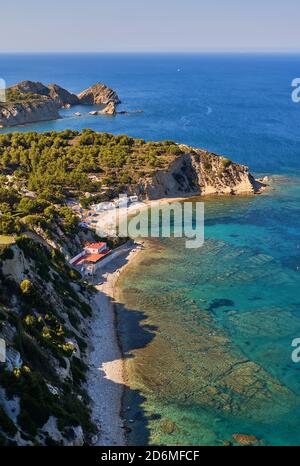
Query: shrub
[(226, 162), (6, 423), (6, 253), (27, 287), (78, 369), (35, 403)]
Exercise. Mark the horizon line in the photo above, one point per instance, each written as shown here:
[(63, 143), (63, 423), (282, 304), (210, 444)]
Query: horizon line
[(124, 52)]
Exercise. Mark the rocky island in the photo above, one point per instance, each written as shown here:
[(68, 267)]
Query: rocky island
[(31, 102)]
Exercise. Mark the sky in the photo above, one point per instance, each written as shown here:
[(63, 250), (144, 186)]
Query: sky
[(149, 25)]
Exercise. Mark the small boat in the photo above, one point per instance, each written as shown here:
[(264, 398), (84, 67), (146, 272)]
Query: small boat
[(77, 114)]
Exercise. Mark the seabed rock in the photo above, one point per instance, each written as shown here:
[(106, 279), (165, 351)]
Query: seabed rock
[(167, 426), (246, 440)]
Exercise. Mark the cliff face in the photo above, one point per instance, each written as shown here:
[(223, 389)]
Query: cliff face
[(198, 172), (28, 112), (61, 96), (30, 102), (33, 87), (99, 94), (44, 308)]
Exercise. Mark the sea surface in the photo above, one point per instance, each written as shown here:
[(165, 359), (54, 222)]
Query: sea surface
[(206, 332)]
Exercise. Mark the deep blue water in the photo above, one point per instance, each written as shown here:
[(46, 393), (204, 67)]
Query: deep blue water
[(207, 332), (236, 105)]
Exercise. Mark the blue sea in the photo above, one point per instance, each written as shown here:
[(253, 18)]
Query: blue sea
[(206, 333), (237, 105)]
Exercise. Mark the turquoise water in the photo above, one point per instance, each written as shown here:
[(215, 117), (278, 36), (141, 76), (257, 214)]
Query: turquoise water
[(206, 333), (217, 325)]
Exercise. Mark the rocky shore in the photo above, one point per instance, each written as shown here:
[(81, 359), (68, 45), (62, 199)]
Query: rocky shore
[(28, 112), (199, 172), (30, 102)]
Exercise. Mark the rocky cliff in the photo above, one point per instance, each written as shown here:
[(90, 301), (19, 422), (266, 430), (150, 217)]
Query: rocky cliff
[(198, 172), (22, 113), (99, 94), (32, 87), (61, 96), (29, 102), (44, 308)]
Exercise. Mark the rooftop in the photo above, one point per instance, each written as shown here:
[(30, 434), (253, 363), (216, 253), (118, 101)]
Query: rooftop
[(95, 245), (91, 258)]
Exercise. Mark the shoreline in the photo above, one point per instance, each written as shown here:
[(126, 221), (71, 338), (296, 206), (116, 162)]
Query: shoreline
[(108, 218), (106, 377)]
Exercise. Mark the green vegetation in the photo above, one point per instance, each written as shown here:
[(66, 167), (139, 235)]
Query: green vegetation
[(39, 172), (55, 165), (37, 403), (5, 239), (6, 425), (226, 162), (19, 214), (26, 287), (6, 252), (15, 96), (46, 342)]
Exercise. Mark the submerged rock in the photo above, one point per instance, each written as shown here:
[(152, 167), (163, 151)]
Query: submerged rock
[(167, 426), (246, 440), (227, 443)]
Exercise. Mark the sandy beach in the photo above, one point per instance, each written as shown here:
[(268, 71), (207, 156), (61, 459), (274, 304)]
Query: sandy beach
[(104, 221), (106, 379)]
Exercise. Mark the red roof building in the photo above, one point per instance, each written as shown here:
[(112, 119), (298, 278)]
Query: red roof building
[(91, 258), (96, 245), (95, 248), (96, 257)]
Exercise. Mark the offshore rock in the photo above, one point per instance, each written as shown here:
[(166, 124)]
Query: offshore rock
[(109, 109), (98, 94), (30, 102)]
